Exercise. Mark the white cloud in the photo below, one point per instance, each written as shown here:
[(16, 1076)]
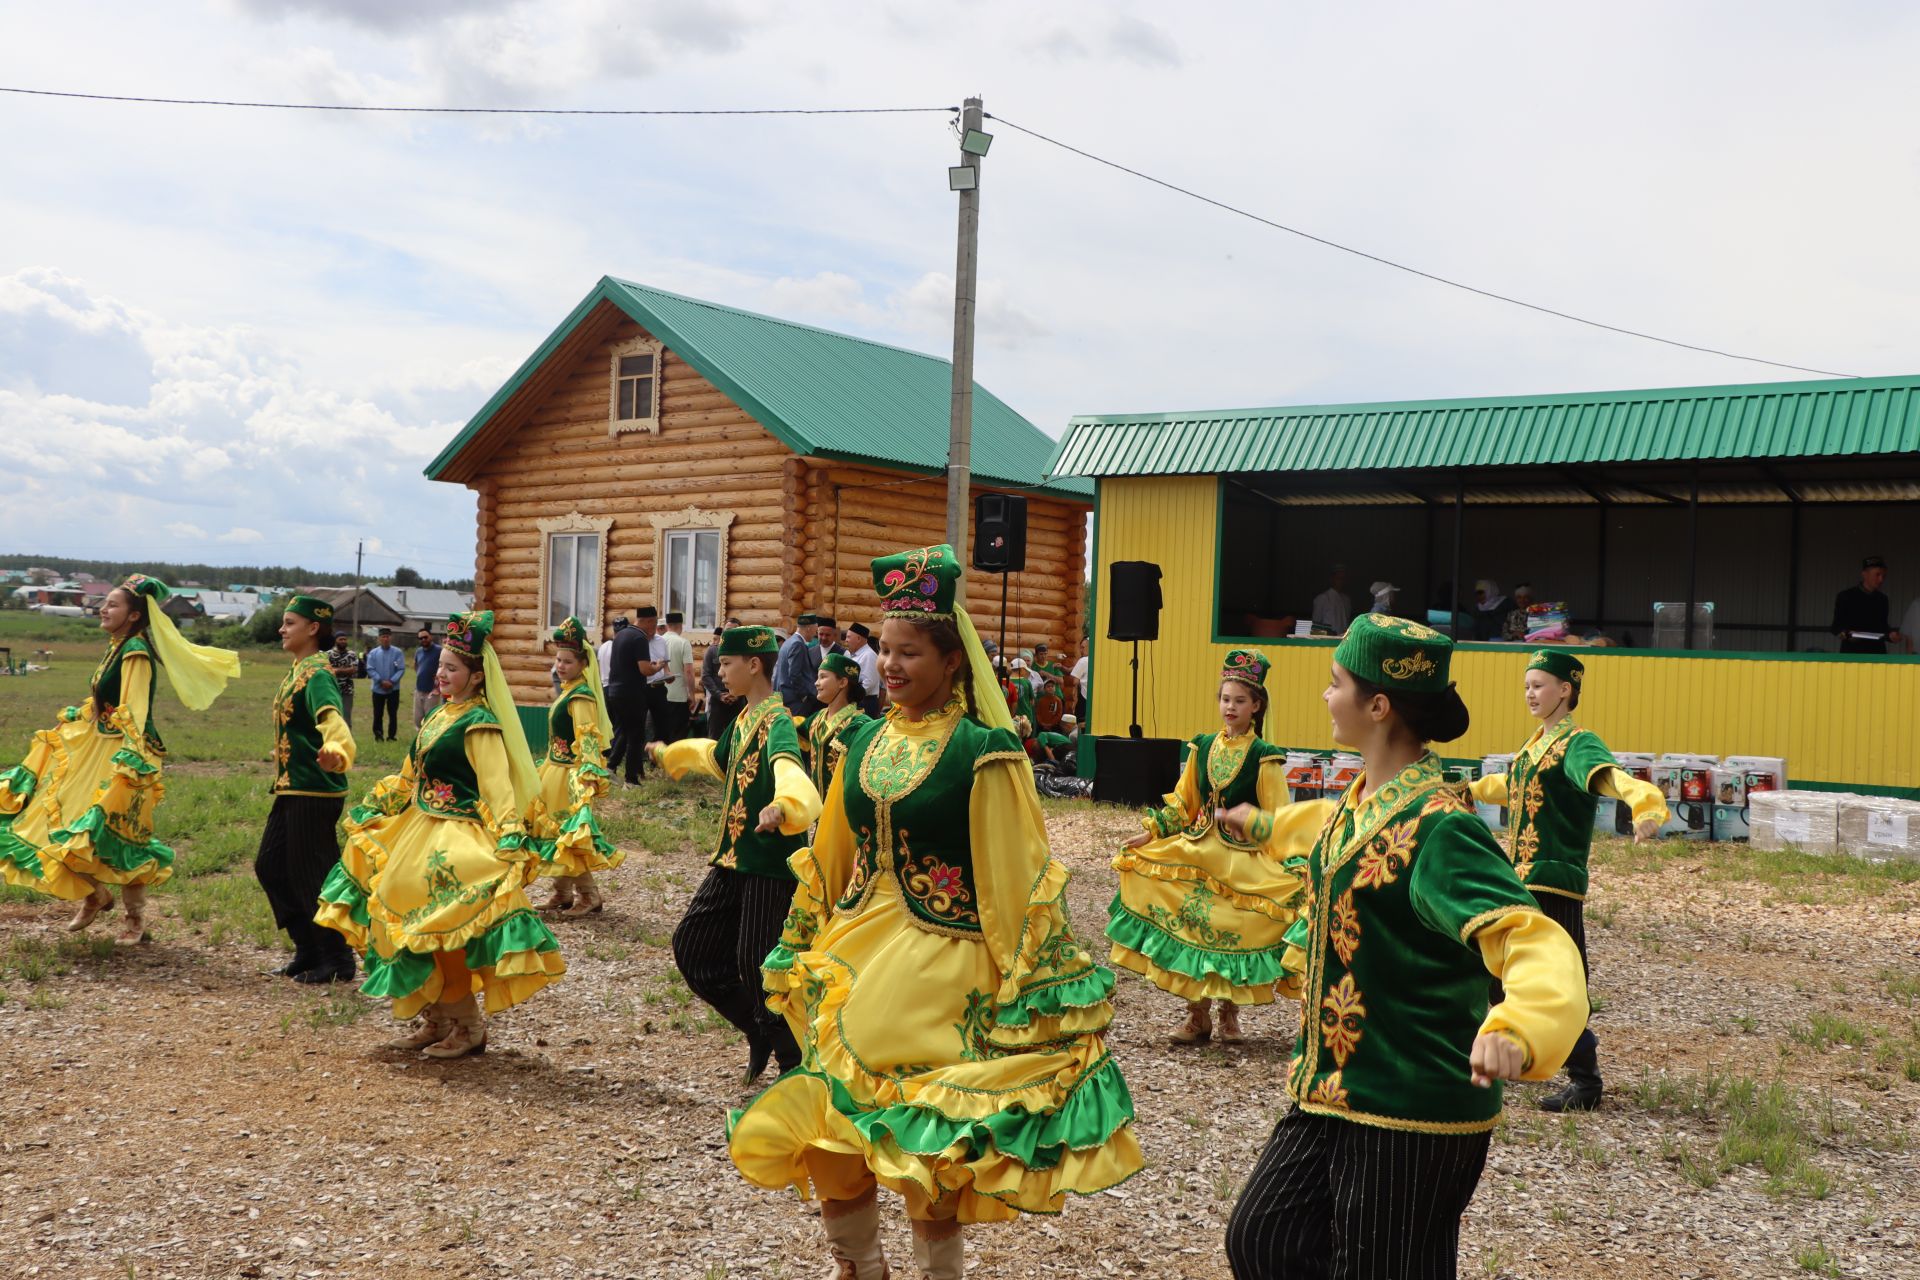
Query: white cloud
[(241, 534), (188, 532)]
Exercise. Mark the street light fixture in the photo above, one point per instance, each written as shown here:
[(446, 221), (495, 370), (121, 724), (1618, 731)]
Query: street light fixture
[(975, 142), (963, 177)]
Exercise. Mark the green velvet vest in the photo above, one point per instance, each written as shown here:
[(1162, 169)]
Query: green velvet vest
[(1227, 778), (446, 786), (760, 735), (825, 736), (106, 686), (1550, 810), (305, 692), (907, 803), (560, 724)]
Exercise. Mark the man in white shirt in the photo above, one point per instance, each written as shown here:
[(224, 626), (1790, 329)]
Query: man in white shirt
[(681, 679), (1080, 682), (860, 648), (1333, 608), (605, 651), (656, 673)]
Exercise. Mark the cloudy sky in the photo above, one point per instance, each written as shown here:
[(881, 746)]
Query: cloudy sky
[(237, 336)]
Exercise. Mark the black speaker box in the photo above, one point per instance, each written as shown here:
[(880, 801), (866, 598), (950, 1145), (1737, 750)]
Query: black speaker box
[(1135, 771), (999, 532), (1133, 600)]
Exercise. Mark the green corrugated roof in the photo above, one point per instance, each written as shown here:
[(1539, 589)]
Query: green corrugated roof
[(1838, 418), (823, 394)]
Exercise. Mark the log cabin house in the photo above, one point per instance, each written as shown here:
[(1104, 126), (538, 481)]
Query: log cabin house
[(662, 450)]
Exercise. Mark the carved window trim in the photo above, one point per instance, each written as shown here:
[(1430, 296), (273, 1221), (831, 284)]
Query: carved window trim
[(572, 522), (640, 346), (692, 518)]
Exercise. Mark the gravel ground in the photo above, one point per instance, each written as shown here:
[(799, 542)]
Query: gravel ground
[(173, 1111)]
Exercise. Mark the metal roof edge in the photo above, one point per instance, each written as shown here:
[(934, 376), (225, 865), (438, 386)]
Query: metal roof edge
[(1080, 490)]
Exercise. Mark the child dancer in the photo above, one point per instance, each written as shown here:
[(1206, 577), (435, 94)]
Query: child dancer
[(431, 885), (1203, 905), (77, 814), (1550, 794), (1395, 1079), (823, 734), (573, 775)]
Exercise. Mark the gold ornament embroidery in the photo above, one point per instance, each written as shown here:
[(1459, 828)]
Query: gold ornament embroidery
[(1382, 864), (1525, 846), (1404, 626), (1447, 800), (1341, 1013), (1329, 1093), (1411, 667), (938, 887), (1344, 929)]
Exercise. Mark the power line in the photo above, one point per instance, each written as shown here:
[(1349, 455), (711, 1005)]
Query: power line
[(1401, 266), (481, 111)]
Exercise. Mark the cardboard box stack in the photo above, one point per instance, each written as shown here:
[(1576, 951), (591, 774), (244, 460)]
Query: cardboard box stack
[(1306, 775), (1610, 817), (1878, 827), (1735, 779), (1687, 782)]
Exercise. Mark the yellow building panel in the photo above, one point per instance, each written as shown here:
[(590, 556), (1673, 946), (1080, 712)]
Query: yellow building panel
[(1836, 722)]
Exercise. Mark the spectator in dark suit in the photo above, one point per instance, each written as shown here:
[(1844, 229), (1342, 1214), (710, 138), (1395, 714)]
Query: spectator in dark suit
[(625, 681)]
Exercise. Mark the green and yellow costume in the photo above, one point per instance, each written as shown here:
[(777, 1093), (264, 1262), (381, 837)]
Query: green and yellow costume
[(1411, 904), (573, 773), (950, 1024), (1200, 912), (78, 810), (431, 885), (760, 763), (823, 734)]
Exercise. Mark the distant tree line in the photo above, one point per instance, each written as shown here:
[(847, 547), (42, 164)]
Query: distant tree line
[(218, 576)]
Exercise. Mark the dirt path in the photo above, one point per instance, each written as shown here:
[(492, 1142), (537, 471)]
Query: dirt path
[(174, 1112)]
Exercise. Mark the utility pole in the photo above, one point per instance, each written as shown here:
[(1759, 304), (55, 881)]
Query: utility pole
[(965, 272), (359, 589)]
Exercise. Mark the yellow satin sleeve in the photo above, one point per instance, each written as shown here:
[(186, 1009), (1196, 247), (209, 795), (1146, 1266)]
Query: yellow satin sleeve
[(1285, 829), (1182, 803), (587, 746), (794, 792), (487, 753), (1490, 790), (336, 737), (1546, 989), (690, 755), (136, 691), (1642, 797), (1008, 836)]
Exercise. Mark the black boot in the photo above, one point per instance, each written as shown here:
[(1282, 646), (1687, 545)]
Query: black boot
[(335, 964), (1583, 1078), (759, 1053), (308, 949), (1575, 1097)]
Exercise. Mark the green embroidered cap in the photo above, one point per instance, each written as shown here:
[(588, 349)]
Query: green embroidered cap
[(467, 632), (841, 665), (1248, 666), (571, 634), (1396, 653), (918, 584), (152, 588), (1559, 664), (749, 642), (312, 608)]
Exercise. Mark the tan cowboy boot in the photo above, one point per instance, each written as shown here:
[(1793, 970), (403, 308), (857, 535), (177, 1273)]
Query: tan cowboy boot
[(586, 898), (853, 1238), (431, 1029), (469, 1033), (133, 930), (90, 906), (1198, 1028), (937, 1250), (562, 896), (1229, 1028)]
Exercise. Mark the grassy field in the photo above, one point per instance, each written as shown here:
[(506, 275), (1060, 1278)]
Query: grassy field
[(1758, 1015)]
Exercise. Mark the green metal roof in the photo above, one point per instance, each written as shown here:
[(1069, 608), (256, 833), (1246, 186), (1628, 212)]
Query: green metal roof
[(1837, 418), (823, 394)]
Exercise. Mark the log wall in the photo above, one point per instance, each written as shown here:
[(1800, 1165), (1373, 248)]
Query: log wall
[(802, 535)]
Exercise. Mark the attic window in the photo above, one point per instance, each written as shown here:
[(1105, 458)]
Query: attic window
[(634, 391)]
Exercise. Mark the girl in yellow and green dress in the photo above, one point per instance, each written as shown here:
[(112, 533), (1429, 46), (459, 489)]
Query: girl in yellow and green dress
[(76, 816), (1202, 907), (950, 1023), (573, 775), (824, 734), (431, 885), (1550, 793), (1396, 1079)]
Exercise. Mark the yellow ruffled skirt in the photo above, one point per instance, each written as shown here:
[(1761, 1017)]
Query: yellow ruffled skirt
[(79, 811), (438, 910), (923, 1072), (562, 824), (1204, 920)]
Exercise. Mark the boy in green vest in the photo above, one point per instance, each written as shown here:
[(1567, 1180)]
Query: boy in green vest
[(735, 917)]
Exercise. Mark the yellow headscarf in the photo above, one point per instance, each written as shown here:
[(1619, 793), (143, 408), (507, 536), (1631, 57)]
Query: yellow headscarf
[(572, 634), (197, 672)]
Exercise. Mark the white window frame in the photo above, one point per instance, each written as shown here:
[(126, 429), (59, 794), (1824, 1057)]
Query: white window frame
[(616, 424), (574, 527), (692, 522)]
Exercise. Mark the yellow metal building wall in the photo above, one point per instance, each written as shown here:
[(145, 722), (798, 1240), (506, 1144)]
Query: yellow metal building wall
[(1845, 723)]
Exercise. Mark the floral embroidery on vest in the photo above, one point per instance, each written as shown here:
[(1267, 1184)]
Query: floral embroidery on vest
[(937, 887), (1341, 1013), (1382, 863), (1329, 1093), (1344, 930)]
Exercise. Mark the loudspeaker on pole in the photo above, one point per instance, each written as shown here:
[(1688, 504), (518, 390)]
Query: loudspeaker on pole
[(1133, 600), (999, 532)]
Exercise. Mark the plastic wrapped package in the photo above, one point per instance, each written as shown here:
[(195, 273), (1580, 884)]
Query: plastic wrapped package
[(1879, 827), (1803, 820)]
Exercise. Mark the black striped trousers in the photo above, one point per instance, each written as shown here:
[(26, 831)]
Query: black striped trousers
[(297, 850), (732, 923), (1335, 1200)]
